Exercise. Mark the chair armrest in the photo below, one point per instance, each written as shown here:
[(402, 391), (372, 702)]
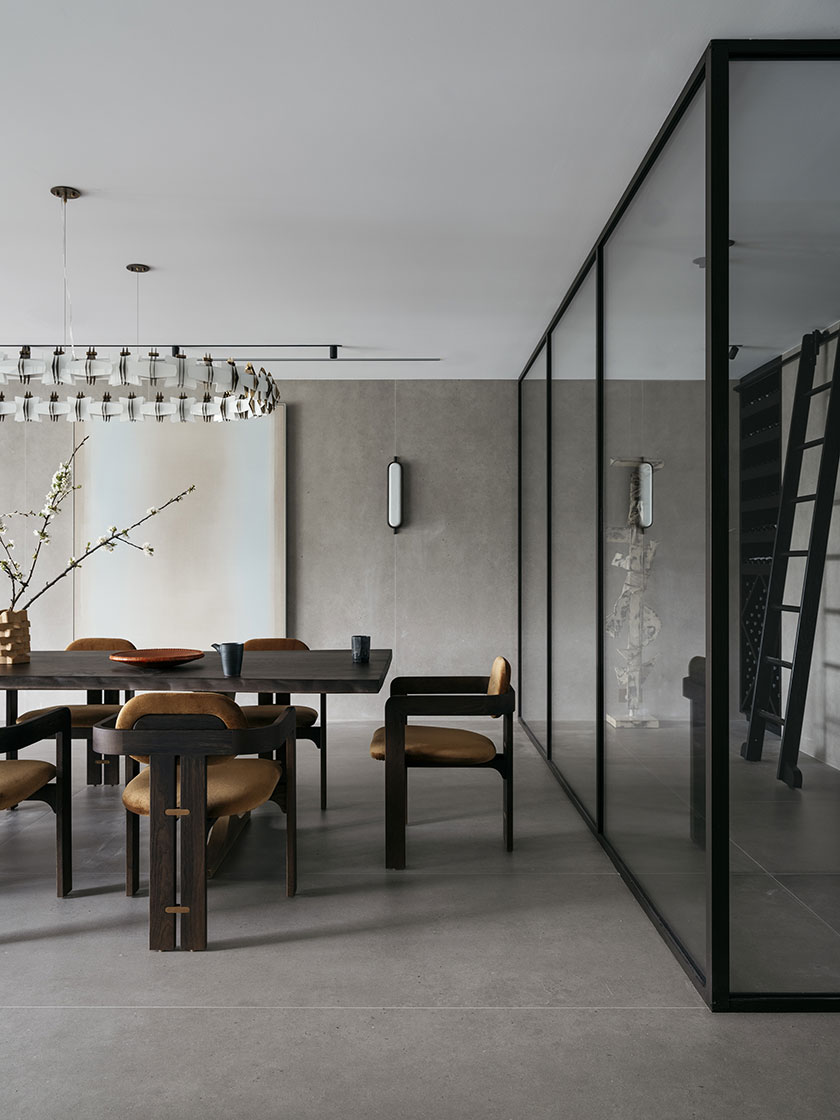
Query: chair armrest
[(408, 686), (189, 742), (19, 735), (477, 705)]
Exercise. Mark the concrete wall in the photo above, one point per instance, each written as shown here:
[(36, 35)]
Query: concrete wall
[(442, 591)]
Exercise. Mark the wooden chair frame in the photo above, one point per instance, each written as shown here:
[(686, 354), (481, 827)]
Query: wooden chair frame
[(56, 793), (439, 696), (188, 739)]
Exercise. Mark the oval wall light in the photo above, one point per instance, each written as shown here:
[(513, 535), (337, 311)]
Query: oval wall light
[(395, 502)]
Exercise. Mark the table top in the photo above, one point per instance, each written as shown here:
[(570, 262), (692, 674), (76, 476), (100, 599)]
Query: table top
[(316, 670)]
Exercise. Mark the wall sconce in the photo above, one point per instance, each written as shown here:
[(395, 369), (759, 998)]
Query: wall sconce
[(645, 495), (395, 502)]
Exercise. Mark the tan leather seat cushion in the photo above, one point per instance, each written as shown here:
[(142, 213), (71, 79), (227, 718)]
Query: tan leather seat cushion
[(81, 715), (439, 744), (234, 786), (21, 776), (260, 715)]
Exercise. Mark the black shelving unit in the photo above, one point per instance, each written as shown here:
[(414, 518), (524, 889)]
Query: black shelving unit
[(760, 451)]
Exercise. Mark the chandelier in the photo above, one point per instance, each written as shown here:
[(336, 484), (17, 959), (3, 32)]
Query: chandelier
[(55, 383)]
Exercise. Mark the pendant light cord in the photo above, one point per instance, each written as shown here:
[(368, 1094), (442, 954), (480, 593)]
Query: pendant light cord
[(68, 303)]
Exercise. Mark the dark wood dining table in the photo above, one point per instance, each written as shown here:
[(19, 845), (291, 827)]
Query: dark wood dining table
[(263, 671), (316, 670)]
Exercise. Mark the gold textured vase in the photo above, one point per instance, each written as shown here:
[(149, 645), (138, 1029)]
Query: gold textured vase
[(14, 637)]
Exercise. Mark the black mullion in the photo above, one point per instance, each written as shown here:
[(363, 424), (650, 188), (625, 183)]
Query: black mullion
[(600, 698), (548, 551), (520, 682), (717, 526)]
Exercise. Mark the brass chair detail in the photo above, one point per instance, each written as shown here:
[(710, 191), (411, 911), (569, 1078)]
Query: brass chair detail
[(197, 794), (100, 705), (270, 705), (402, 745), (32, 780)]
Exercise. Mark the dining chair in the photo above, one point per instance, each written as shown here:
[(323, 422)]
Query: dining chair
[(402, 745), (193, 779), (270, 704), (100, 704), (33, 780)]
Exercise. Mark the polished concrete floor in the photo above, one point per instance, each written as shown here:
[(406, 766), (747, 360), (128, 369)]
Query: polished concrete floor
[(784, 849), (476, 983)]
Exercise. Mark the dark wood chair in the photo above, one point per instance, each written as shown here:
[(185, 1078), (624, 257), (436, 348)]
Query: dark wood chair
[(270, 705), (402, 745), (190, 741), (32, 780), (100, 705)]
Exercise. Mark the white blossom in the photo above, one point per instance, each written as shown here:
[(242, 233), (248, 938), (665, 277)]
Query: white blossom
[(151, 510), (147, 548)]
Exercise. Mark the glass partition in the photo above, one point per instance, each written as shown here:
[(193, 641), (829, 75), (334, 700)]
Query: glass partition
[(654, 529), (784, 266), (533, 497), (574, 545), (687, 550)]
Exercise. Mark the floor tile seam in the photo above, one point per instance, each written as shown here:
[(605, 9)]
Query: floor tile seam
[(766, 870), (503, 877), (631, 1007), (805, 905)]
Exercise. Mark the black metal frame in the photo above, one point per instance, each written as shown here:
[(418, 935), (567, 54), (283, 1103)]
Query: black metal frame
[(710, 79)]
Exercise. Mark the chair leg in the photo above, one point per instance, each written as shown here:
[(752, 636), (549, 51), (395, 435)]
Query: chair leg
[(507, 778), (508, 811), (63, 810), (290, 770), (132, 837), (322, 745), (132, 854)]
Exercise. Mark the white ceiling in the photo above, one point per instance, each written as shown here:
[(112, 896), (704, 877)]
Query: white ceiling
[(414, 179)]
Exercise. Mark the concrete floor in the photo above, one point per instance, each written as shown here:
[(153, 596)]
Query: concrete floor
[(474, 984)]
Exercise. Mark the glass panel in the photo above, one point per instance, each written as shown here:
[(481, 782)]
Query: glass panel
[(654, 530), (785, 222), (574, 545), (533, 668)]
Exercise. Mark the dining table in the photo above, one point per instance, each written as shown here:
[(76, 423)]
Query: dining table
[(263, 671)]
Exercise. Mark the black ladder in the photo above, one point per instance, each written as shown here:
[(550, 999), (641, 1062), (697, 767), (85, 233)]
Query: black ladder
[(822, 501)]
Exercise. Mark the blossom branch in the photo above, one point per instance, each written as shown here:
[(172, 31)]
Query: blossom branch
[(114, 537), (61, 486)]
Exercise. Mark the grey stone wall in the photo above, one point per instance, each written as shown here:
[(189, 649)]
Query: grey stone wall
[(442, 591)]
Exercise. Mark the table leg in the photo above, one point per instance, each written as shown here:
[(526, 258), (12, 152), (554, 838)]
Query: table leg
[(194, 853), (162, 852), (11, 714)]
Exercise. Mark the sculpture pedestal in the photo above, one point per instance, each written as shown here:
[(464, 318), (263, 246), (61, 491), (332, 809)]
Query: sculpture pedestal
[(632, 721)]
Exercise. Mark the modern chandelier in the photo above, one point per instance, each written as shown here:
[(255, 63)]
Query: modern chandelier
[(54, 383)]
